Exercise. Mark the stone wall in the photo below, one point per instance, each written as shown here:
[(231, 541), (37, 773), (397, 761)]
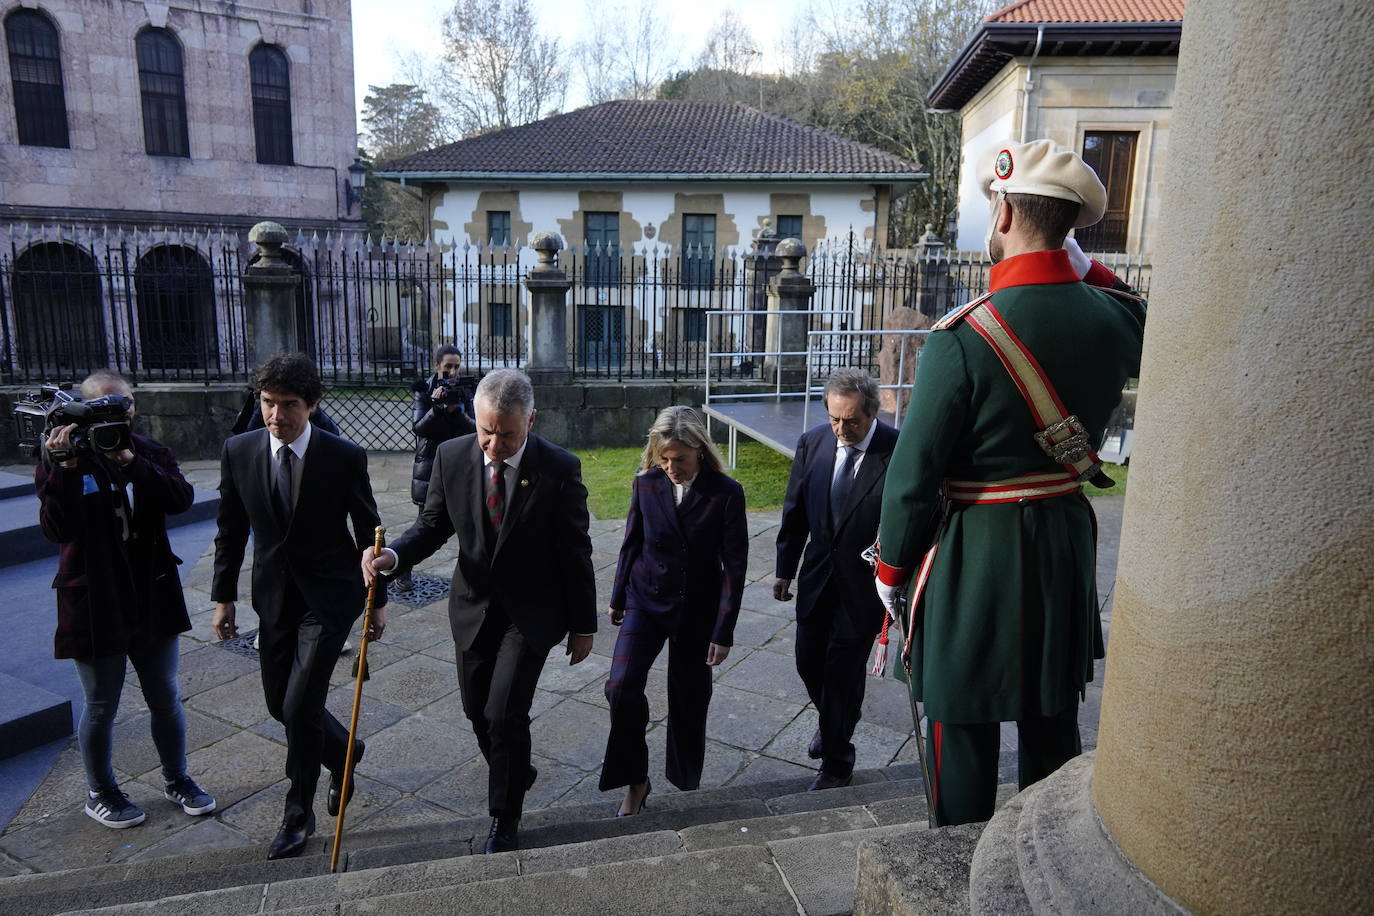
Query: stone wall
[(193, 419), (107, 171)]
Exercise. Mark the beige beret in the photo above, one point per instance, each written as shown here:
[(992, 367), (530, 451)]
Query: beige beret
[(1044, 167)]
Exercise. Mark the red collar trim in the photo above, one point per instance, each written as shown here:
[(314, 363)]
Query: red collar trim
[(1033, 268)]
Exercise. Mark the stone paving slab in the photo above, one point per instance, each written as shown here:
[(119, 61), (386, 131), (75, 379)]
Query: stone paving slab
[(761, 830)]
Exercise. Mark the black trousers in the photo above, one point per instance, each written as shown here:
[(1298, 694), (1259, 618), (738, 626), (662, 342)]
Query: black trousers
[(963, 761), (497, 676), (832, 659), (640, 641), (297, 653)]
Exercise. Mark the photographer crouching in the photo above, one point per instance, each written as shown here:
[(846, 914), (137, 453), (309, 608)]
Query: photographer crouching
[(104, 496), (443, 411)]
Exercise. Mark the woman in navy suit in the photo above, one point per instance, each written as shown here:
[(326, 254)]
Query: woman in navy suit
[(679, 581)]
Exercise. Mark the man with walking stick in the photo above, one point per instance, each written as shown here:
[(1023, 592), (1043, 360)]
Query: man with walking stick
[(297, 489), (983, 511)]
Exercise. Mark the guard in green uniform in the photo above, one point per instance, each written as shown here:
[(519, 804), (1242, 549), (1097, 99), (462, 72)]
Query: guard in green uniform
[(983, 515)]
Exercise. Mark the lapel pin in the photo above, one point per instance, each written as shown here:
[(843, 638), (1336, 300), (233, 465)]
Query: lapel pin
[(524, 482)]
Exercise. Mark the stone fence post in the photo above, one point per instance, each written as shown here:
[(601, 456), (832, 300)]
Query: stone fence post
[(789, 291), (269, 298), (548, 284)]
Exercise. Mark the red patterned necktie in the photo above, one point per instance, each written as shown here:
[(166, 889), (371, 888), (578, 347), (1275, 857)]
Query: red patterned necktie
[(496, 494)]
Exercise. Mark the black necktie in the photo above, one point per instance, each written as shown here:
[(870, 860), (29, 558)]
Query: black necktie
[(285, 462), (839, 487)]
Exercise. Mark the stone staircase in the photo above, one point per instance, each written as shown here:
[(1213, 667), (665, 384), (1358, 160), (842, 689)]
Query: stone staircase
[(757, 848)]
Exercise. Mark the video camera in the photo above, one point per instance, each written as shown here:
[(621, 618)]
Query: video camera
[(448, 388), (102, 423)]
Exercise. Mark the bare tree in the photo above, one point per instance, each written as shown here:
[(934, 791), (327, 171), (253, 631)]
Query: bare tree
[(629, 55), (874, 69), (729, 46), (501, 72)]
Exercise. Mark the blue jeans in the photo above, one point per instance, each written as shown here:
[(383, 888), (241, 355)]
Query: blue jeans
[(102, 679)]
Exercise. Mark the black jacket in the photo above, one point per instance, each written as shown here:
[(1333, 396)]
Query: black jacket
[(433, 426)]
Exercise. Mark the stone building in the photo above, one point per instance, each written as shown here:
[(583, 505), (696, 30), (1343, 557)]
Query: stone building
[(139, 141), (1096, 76), (123, 113), (654, 200)]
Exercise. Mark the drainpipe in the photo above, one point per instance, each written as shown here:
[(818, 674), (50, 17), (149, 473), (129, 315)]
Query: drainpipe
[(1030, 81)]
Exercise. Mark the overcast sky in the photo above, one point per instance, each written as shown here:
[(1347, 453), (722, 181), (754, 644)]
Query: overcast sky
[(385, 29)]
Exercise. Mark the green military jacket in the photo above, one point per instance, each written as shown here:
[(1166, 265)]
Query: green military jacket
[(1008, 624)]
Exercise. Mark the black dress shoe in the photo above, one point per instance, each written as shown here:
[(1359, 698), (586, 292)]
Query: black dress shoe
[(813, 750), (504, 835), (331, 802), (826, 781), (290, 841)]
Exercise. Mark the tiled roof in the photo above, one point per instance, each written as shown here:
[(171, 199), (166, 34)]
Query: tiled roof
[(672, 139), (1090, 11), (1059, 28)]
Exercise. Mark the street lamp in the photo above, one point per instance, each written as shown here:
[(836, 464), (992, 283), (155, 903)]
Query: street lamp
[(353, 187)]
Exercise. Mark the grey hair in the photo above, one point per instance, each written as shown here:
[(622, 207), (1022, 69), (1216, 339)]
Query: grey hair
[(507, 391), (684, 426), (96, 383), (854, 381)]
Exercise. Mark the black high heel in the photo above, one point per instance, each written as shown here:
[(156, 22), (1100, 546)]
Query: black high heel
[(643, 801)]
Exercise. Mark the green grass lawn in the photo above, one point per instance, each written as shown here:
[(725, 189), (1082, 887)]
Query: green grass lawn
[(607, 472), (763, 473)]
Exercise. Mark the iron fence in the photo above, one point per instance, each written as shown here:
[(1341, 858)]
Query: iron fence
[(168, 305)]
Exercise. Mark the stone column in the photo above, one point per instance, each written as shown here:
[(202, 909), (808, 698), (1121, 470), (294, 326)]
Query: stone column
[(548, 285), (269, 298), (1233, 764), (789, 291)]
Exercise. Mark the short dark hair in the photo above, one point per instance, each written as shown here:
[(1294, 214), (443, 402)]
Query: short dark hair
[(1049, 217), (290, 373), (446, 350)]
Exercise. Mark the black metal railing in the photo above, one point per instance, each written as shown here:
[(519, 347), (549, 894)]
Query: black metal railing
[(168, 305)]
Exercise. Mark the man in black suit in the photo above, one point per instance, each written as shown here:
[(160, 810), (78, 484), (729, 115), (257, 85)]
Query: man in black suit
[(523, 578), (297, 488), (834, 496)]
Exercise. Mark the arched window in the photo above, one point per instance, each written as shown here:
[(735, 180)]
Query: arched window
[(161, 80), (176, 302), (40, 107), (59, 325), (271, 77)]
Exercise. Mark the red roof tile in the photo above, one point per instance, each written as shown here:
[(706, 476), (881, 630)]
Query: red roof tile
[(1090, 11)]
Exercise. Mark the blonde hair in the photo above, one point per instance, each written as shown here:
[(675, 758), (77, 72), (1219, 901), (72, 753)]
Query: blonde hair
[(682, 425)]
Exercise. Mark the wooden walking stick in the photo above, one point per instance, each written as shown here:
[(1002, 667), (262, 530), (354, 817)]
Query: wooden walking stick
[(346, 787)]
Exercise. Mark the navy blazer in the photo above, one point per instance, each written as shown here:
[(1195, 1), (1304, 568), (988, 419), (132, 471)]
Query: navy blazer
[(693, 555), (835, 547), (316, 549)]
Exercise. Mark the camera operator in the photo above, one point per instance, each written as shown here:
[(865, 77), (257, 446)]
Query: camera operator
[(443, 411), (119, 596)]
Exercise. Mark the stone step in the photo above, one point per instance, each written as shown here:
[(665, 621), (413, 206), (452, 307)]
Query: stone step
[(22, 540), (31, 716), (657, 871), (749, 814)]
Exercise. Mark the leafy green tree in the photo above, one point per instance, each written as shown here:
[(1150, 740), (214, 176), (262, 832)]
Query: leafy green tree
[(398, 120)]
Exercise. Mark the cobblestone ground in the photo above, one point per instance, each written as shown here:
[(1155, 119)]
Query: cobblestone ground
[(422, 763)]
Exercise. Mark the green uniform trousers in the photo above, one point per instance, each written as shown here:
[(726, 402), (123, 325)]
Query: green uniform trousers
[(963, 761)]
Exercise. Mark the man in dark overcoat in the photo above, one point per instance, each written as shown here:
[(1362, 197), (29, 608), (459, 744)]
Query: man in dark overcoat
[(829, 517), (523, 580)]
